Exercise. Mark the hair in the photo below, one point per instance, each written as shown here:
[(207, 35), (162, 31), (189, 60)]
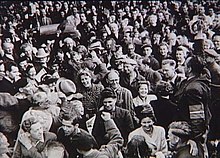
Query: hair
[(8, 65), (164, 44), (181, 129), (196, 63), (144, 83), (25, 45), (171, 62), (56, 144), (137, 148), (26, 125), (29, 66)]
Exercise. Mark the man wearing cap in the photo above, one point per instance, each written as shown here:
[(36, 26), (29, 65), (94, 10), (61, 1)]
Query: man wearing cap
[(131, 52), (130, 77), (209, 56), (147, 53), (179, 134), (41, 59), (121, 117)]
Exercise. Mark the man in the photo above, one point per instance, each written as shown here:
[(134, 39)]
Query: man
[(132, 54), (65, 133), (124, 96), (170, 75), (179, 134), (193, 99), (84, 142), (8, 83), (130, 77), (121, 117), (214, 68)]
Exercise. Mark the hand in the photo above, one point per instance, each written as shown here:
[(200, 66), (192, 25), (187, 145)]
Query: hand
[(193, 148), (106, 116), (25, 140)]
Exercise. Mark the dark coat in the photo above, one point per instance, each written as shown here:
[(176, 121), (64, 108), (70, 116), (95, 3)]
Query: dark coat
[(165, 112), (122, 119), (183, 152), (193, 104)]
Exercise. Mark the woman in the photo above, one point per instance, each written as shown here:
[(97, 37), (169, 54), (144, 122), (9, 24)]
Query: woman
[(32, 140), (143, 99), (154, 135), (90, 92)]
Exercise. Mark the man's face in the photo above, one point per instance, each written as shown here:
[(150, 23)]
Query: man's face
[(131, 49), (109, 103), (14, 74), (147, 51), (8, 48), (68, 128), (28, 51), (168, 71), (113, 79), (216, 41), (108, 44), (128, 68), (69, 44), (36, 131), (83, 17), (86, 81), (173, 140)]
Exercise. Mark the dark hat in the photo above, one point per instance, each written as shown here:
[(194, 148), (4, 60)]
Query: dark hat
[(108, 93), (146, 45), (211, 52), (83, 141)]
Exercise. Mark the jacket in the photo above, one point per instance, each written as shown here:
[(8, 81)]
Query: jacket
[(111, 149), (35, 152), (193, 104)]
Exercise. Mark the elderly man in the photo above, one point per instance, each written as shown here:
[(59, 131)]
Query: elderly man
[(130, 77), (179, 134), (124, 96)]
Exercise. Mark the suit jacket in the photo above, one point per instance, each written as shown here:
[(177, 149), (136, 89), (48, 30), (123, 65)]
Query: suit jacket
[(7, 86), (122, 119), (45, 21)]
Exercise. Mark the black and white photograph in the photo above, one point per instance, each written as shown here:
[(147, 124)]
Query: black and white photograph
[(110, 79)]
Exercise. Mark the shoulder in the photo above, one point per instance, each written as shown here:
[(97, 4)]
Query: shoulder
[(50, 136), (159, 129)]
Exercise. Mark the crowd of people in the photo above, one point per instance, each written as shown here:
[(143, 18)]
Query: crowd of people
[(109, 79)]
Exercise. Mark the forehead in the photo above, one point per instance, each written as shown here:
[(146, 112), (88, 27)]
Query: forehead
[(108, 99), (36, 126)]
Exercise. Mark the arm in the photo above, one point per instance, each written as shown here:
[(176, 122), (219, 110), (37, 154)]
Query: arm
[(116, 140)]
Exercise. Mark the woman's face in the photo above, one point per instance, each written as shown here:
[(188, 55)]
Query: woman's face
[(163, 50), (36, 131), (147, 124), (143, 90), (180, 55), (32, 73), (86, 81)]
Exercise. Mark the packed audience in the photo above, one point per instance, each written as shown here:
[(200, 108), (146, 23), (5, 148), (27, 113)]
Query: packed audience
[(109, 79)]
